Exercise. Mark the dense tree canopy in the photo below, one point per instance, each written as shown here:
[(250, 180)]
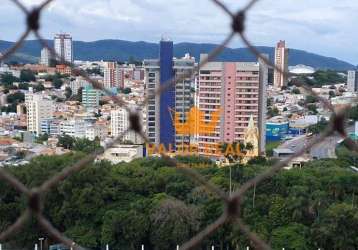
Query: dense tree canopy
[(326, 77), (78, 144), (320, 78), (127, 91), (353, 113), (150, 202), (7, 79), (68, 92), (27, 76), (39, 87), (16, 98)]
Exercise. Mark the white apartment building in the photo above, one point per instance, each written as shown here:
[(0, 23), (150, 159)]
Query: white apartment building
[(78, 83), (74, 127), (112, 75), (45, 57), (95, 131), (64, 47), (1, 62), (90, 97), (3, 99), (50, 127), (38, 109), (120, 124), (352, 81)]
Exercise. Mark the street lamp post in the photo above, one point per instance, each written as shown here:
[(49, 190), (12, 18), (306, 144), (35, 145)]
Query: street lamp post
[(41, 240)]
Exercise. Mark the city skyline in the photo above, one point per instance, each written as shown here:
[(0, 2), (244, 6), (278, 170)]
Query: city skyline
[(155, 146), (183, 22)]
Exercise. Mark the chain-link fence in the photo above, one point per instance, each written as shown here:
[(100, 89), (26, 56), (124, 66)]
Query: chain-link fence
[(231, 214)]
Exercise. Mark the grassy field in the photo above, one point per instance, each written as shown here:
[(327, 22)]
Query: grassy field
[(270, 146)]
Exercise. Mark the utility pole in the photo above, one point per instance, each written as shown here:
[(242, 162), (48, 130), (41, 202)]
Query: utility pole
[(230, 181), (352, 201), (254, 196)]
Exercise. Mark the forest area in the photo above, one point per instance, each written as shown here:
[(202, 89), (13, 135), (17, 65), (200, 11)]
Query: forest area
[(150, 202)]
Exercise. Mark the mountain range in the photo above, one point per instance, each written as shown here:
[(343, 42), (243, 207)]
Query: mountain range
[(120, 50)]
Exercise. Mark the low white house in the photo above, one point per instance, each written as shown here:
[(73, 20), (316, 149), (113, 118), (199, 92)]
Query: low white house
[(122, 153)]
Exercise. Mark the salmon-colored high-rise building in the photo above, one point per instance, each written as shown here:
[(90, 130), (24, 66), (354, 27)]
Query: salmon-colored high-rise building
[(112, 75), (238, 90), (281, 62)]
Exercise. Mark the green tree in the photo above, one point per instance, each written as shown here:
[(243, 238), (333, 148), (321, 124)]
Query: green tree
[(148, 201), (68, 92), (312, 108), (9, 108), (39, 87), (132, 60), (259, 160), (338, 227), (278, 213), (57, 83), (173, 223), (353, 113), (24, 86), (311, 99), (332, 94), (27, 75), (292, 236), (127, 229), (8, 79), (272, 112), (85, 145), (42, 138), (127, 91), (78, 97), (328, 77), (96, 71), (249, 146), (16, 98), (66, 141)]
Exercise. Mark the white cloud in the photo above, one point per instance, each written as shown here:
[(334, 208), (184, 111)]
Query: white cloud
[(322, 26)]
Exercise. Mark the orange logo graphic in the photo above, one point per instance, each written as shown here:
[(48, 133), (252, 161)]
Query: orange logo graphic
[(196, 122)]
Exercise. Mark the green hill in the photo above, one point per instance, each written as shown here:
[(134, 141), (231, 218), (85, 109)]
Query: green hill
[(121, 50)]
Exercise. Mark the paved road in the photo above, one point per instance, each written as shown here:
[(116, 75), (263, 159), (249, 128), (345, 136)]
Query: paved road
[(325, 149), (296, 144)]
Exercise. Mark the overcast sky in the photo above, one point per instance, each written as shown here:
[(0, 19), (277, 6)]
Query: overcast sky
[(327, 27)]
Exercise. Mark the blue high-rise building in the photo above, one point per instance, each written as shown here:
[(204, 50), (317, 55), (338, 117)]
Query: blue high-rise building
[(167, 98), (177, 98)]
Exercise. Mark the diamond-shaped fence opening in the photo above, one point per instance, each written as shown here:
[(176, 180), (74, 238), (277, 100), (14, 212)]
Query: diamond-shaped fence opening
[(231, 214)]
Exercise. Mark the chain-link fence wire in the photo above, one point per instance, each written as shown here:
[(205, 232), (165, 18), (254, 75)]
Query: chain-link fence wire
[(231, 214)]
